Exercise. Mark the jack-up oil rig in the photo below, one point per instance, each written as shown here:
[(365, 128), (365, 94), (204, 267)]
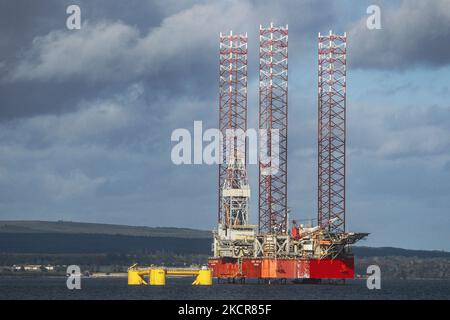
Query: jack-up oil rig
[(270, 250)]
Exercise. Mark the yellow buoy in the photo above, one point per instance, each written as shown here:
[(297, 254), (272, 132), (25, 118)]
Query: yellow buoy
[(204, 278), (157, 277), (134, 278)]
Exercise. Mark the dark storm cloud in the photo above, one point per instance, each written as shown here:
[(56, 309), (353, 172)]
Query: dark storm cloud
[(415, 33), (23, 21), (114, 48)]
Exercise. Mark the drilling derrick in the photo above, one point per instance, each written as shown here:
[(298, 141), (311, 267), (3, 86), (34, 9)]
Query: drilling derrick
[(232, 107), (235, 194), (331, 131), (273, 120), (234, 191)]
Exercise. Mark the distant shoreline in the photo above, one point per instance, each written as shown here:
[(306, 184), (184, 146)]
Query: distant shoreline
[(108, 275)]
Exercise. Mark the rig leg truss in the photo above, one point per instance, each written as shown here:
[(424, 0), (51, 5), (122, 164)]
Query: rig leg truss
[(273, 119), (331, 131)]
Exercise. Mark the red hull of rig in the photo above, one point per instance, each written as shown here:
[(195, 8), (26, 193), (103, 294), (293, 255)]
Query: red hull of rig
[(271, 268)]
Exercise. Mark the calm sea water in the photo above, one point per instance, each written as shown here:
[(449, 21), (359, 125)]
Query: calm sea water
[(181, 288)]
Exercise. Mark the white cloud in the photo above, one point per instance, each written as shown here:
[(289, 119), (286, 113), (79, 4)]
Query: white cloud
[(73, 185), (97, 49), (113, 50), (90, 122), (390, 131), (415, 142)]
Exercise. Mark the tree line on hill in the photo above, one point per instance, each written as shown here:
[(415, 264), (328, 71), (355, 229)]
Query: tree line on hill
[(100, 252)]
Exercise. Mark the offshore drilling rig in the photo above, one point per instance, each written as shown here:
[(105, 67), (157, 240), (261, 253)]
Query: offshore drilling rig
[(270, 250)]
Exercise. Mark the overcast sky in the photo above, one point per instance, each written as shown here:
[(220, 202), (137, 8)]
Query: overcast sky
[(86, 115)]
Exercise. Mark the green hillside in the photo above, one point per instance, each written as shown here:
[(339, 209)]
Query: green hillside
[(69, 227), (77, 237), (108, 247)]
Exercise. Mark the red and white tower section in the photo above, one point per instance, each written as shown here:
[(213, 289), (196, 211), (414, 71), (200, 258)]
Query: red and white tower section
[(273, 119), (332, 64)]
